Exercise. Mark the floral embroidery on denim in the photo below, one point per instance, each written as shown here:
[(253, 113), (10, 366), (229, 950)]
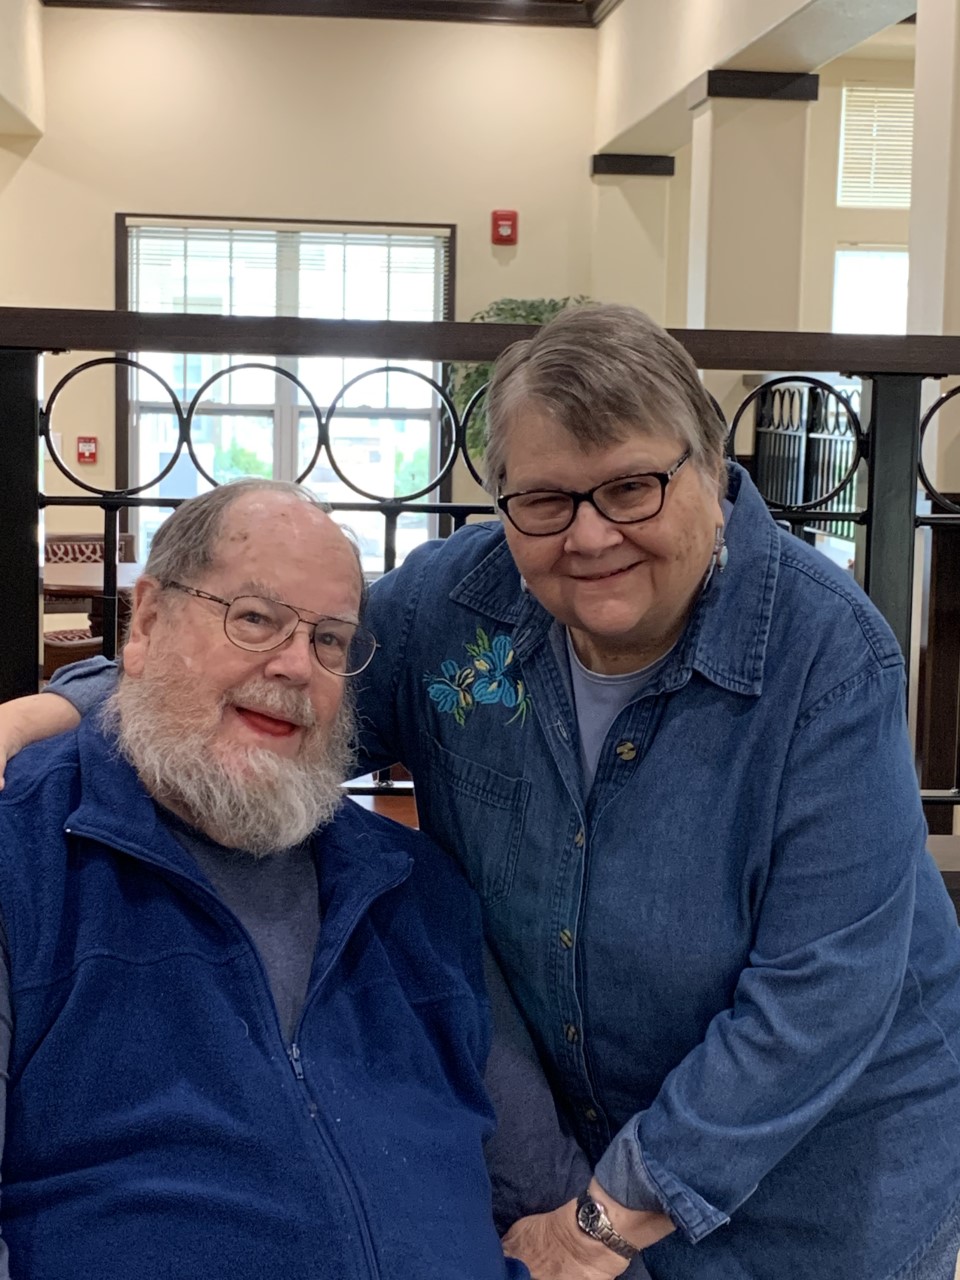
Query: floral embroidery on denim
[(486, 680)]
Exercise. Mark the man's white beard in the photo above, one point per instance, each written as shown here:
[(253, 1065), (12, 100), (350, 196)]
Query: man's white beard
[(244, 797)]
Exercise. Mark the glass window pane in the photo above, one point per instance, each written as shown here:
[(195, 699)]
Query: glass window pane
[(412, 281), (230, 446), (321, 277), (253, 274), (365, 287), (207, 277), (324, 376), (406, 392), (870, 291), (368, 393), (253, 386)]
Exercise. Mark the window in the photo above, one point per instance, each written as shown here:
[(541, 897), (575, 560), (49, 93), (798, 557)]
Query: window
[(870, 289), (253, 422), (876, 147)]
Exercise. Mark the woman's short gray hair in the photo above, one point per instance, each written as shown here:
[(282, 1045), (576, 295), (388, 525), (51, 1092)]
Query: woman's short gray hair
[(602, 372), (185, 545)]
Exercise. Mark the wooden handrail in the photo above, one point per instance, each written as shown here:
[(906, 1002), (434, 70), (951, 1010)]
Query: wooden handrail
[(63, 329)]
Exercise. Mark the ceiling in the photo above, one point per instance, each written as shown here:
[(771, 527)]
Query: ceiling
[(547, 13)]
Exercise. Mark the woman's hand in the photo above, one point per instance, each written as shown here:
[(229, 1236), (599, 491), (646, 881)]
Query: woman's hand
[(26, 720)]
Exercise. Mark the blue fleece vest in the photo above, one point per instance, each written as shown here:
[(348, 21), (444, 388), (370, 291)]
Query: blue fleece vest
[(158, 1125)]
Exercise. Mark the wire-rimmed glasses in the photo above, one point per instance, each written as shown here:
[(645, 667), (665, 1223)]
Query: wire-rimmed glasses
[(622, 500), (259, 624)]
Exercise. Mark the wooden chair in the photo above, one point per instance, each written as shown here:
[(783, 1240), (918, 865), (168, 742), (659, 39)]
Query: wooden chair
[(63, 647)]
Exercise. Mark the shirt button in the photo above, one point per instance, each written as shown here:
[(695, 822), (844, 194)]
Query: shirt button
[(571, 1032), (566, 938), (626, 750), (590, 1114), (579, 838)]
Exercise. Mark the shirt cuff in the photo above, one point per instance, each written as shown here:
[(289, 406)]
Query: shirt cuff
[(638, 1182)]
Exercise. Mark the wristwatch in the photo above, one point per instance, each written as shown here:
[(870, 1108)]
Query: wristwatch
[(593, 1221)]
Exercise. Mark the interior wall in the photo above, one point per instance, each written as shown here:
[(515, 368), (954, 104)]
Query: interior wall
[(21, 68), (649, 53), (184, 113)]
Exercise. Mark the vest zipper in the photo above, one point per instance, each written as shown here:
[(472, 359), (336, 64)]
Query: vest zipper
[(370, 1256)]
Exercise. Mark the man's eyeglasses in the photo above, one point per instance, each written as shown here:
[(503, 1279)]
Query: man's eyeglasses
[(623, 500), (259, 624)]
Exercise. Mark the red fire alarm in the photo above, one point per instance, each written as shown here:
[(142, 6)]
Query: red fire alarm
[(86, 448), (504, 226)]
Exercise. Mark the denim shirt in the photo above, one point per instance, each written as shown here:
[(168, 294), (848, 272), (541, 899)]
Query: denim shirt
[(737, 959), (739, 964)]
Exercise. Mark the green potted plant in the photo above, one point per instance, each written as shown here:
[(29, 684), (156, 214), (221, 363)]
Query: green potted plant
[(465, 379)]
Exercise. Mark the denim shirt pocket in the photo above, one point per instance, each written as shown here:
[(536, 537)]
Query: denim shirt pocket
[(476, 813)]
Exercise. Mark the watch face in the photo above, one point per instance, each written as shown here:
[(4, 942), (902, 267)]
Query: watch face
[(590, 1216)]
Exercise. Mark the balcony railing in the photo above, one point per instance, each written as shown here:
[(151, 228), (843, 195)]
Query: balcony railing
[(815, 448)]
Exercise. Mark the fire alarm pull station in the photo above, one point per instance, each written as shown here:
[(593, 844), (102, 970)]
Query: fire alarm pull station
[(86, 448), (504, 226)]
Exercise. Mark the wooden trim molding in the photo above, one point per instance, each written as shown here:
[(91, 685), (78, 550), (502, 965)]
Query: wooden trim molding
[(781, 86), (640, 166)]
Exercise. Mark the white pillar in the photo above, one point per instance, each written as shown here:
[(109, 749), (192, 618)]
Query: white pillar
[(933, 303), (746, 206)]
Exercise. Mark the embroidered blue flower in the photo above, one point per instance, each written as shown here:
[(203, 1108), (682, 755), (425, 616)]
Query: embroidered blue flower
[(487, 680), (495, 682), (452, 693)]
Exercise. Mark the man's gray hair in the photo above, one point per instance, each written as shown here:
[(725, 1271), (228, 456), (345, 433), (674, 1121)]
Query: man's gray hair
[(185, 545), (603, 372)]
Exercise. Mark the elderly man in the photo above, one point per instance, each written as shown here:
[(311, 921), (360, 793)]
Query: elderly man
[(248, 1021)]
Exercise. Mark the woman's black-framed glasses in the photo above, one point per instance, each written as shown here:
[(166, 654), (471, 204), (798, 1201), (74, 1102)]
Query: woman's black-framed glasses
[(622, 500), (259, 624)]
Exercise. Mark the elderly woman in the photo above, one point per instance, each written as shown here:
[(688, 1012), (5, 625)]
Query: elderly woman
[(666, 741)]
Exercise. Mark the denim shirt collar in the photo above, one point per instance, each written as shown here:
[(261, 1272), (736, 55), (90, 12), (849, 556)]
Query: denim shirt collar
[(726, 637)]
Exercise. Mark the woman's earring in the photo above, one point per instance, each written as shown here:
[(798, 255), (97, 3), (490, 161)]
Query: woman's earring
[(721, 552)]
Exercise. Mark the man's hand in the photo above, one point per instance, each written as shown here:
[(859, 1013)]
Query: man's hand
[(554, 1248), (26, 720)]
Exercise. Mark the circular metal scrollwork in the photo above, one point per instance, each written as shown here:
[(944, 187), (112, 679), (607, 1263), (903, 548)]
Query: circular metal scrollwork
[(46, 419), (932, 491), (454, 436), (787, 394)]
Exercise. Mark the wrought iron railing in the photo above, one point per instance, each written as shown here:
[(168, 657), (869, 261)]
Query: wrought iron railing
[(817, 452)]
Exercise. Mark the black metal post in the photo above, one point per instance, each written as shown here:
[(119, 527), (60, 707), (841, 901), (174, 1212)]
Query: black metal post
[(19, 522), (894, 450), (110, 606)]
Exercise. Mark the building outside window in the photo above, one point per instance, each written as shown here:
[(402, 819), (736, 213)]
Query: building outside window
[(385, 433)]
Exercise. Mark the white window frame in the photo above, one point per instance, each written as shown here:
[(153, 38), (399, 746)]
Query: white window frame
[(286, 409)]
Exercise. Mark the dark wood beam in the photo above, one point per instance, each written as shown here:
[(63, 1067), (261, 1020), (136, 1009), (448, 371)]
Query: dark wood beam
[(637, 166), (62, 329), (783, 86), (546, 13)]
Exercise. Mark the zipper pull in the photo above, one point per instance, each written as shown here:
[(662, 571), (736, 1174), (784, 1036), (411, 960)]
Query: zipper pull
[(295, 1062)]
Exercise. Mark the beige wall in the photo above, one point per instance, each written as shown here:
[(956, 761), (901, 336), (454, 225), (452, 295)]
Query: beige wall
[(235, 115), (286, 117), (650, 51), (21, 67)]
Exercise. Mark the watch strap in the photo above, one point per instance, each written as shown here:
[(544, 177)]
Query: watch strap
[(593, 1220)]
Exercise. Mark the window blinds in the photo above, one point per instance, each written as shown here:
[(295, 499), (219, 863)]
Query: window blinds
[(337, 274), (876, 147)]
